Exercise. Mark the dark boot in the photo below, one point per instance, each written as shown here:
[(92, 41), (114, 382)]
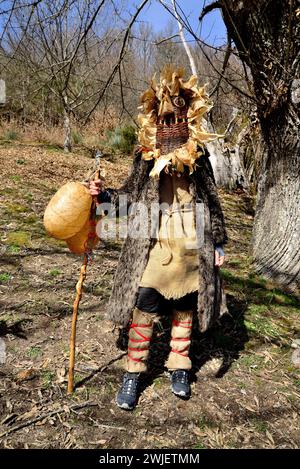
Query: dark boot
[(127, 396), (180, 383)]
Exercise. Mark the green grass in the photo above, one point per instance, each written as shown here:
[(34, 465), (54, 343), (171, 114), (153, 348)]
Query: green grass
[(7, 191), (77, 378), (28, 196), (21, 161), (158, 382), (12, 209), (47, 378), (251, 361), (270, 315), (13, 249), (15, 178), (200, 445), (54, 272), (260, 425), (51, 147), (255, 287), (204, 422), (33, 352), (4, 277)]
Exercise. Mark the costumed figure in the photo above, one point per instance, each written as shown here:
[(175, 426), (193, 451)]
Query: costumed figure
[(171, 168)]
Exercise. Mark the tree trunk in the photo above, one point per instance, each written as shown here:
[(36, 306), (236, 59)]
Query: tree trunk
[(2, 91), (67, 127), (226, 161), (227, 167), (266, 34)]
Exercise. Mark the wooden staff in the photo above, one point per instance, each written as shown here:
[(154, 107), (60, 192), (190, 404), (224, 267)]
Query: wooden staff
[(74, 323), (79, 286)]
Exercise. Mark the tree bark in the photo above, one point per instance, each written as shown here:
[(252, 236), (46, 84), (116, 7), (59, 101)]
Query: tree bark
[(67, 125), (266, 34)]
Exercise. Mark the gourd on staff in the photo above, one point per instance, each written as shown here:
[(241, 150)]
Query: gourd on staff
[(71, 216)]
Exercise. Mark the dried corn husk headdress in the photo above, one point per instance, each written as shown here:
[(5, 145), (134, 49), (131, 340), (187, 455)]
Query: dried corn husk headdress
[(171, 130)]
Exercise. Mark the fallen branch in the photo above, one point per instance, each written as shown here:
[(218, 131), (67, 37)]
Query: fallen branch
[(47, 414), (100, 369)]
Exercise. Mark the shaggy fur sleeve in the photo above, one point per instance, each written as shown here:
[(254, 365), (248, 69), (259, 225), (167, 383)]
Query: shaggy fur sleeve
[(216, 214), (127, 189)]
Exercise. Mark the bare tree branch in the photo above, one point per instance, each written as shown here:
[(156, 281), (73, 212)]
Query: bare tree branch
[(225, 63), (208, 8), (190, 30), (121, 56), (185, 45)]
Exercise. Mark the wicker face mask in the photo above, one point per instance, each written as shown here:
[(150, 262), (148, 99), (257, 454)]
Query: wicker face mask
[(172, 123), (171, 130)]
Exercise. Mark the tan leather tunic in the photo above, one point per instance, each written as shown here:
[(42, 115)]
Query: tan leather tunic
[(172, 267)]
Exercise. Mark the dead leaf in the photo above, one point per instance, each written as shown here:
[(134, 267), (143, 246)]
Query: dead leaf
[(269, 436), (46, 363), (61, 375), (199, 432), (26, 375)]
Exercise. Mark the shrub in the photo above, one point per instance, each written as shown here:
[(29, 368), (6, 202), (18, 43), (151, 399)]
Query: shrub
[(11, 134), (121, 139), (76, 137)]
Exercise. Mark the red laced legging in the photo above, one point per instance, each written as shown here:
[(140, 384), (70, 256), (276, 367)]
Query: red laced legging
[(180, 341), (184, 325), (139, 342)]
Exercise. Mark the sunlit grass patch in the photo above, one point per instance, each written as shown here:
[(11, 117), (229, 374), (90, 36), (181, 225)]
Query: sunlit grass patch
[(19, 238), (13, 208), (250, 360)]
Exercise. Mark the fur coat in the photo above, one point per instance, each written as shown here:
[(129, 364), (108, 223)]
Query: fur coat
[(139, 187)]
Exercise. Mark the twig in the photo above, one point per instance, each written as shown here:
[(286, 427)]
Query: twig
[(157, 43), (47, 414), (102, 425), (225, 63)]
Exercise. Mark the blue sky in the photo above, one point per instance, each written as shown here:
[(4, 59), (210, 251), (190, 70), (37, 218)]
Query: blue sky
[(212, 30)]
